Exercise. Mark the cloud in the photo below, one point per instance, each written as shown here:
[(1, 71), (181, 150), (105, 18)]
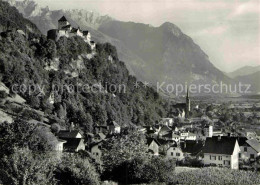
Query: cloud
[(215, 30), (251, 7)]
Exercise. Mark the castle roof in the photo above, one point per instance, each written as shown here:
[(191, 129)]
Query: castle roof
[(85, 32), (63, 18), (66, 27)]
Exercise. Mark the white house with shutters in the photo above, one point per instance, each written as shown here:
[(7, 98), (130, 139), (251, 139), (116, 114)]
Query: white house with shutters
[(221, 151)]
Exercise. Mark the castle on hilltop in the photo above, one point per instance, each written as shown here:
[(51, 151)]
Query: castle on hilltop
[(66, 30)]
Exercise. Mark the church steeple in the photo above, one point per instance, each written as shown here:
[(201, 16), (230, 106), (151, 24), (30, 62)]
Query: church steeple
[(187, 104)]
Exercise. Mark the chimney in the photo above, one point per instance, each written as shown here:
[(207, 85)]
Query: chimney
[(71, 126)]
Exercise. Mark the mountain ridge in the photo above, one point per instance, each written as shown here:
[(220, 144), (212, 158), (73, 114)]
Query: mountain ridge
[(243, 71), (153, 54)]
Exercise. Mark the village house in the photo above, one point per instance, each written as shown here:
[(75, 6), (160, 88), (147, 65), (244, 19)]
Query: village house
[(184, 149), (175, 152), (188, 136), (208, 130), (221, 151), (247, 152), (163, 130), (101, 128), (249, 149), (59, 145), (113, 127), (99, 137), (171, 136), (95, 150), (153, 146), (73, 138), (218, 133), (74, 145), (167, 121), (68, 134)]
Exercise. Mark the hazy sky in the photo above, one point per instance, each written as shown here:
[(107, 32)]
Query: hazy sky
[(227, 30)]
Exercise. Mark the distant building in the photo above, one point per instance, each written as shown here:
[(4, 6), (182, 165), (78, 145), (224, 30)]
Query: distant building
[(99, 137), (74, 145), (221, 151), (188, 136), (95, 150), (208, 130), (73, 138), (113, 127), (65, 134), (153, 146), (163, 130), (184, 107), (171, 136), (249, 149), (175, 152), (59, 145), (167, 121), (184, 149)]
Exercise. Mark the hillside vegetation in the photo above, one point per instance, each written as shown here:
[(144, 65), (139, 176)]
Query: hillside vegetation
[(34, 60)]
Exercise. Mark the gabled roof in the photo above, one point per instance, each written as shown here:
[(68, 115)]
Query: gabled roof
[(73, 144), (220, 145), (242, 141), (101, 135), (63, 18), (163, 142), (191, 147), (254, 144), (165, 128), (150, 140), (68, 134), (113, 123)]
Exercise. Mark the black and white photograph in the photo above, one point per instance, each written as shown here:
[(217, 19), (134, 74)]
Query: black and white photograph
[(129, 92)]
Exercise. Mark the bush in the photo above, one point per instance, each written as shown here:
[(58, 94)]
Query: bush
[(3, 95), (76, 170)]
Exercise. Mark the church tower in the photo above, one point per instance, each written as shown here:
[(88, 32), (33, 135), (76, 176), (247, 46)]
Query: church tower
[(63, 22), (187, 105)]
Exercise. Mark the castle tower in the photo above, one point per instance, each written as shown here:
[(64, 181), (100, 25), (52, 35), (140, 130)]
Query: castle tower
[(63, 22), (187, 105)]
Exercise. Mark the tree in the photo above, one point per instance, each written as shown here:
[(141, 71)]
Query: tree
[(24, 167), (55, 128), (123, 148), (25, 135), (77, 170)]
